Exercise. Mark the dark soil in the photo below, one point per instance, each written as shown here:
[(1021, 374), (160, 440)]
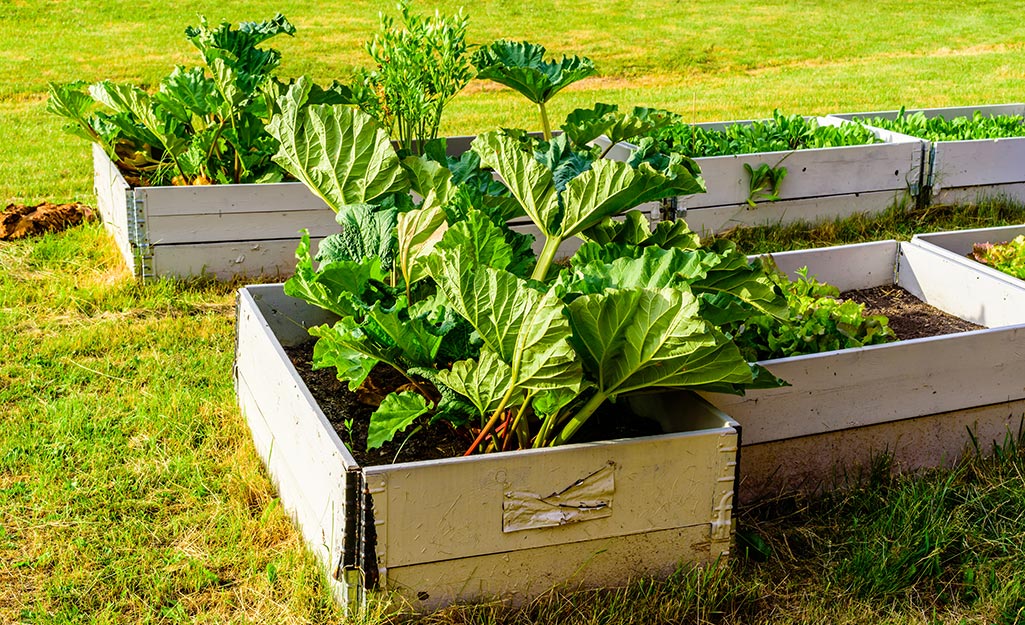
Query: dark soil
[(439, 440), (18, 221), (910, 317)]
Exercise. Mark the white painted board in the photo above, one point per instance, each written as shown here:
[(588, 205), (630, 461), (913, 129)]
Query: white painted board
[(956, 245), (880, 383), (112, 192), (967, 170)]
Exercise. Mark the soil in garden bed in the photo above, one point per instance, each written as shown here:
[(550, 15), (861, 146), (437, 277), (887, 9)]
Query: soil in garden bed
[(345, 410), (910, 317)]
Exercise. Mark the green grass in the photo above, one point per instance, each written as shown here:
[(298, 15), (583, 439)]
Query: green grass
[(713, 60), (129, 488)]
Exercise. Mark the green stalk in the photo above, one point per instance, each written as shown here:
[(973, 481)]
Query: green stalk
[(579, 419), (545, 126), (546, 258), (493, 421)]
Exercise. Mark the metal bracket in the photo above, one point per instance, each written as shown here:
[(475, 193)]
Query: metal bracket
[(138, 237), (350, 564)]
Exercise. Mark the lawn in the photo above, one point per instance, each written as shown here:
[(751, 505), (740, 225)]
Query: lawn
[(129, 489)]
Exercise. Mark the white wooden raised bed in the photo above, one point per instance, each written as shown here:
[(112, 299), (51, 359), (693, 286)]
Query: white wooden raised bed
[(957, 245), (822, 183), (913, 399), (509, 525), (967, 171), (224, 231)]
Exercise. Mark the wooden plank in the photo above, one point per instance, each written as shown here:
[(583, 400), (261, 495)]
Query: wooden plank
[(981, 162), (837, 459), (957, 286), (302, 451), (858, 266), (286, 318), (710, 220), (112, 193), (956, 245), (260, 259), (856, 387), (520, 575), (1011, 191), (218, 199), (947, 112), (453, 508), (227, 227), (812, 173)]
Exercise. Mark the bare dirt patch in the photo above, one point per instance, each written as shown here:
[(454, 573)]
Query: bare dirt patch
[(18, 221), (910, 317)]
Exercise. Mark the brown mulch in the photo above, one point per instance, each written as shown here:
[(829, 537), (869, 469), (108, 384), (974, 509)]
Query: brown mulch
[(910, 317), (18, 221)]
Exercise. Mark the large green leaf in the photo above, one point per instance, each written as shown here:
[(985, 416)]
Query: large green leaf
[(417, 231), (482, 242), (69, 102), (484, 381), (530, 182), (526, 328), (189, 95), (138, 105), (522, 66), (409, 342), (337, 286), (367, 231), (631, 339), (396, 413), (586, 125), (339, 152), (334, 349), (611, 187)]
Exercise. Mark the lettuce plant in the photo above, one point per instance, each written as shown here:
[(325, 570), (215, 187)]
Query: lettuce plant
[(519, 349), (818, 321), (1006, 257), (204, 125)]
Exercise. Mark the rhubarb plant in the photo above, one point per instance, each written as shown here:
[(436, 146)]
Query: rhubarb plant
[(204, 124), (519, 350)]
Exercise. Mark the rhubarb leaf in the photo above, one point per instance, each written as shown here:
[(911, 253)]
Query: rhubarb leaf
[(484, 381), (526, 328), (522, 66), (530, 182), (339, 152), (352, 366), (396, 413), (337, 286), (343, 346)]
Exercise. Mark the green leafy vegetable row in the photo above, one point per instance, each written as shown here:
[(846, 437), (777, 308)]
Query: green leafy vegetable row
[(782, 133), (938, 128), (1007, 257)]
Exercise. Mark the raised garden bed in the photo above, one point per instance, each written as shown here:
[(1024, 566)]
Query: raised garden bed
[(957, 246), (821, 183), (508, 525), (968, 170), (858, 400)]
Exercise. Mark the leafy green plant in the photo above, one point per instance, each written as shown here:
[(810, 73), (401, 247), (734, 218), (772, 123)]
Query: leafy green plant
[(818, 321), (204, 125), (782, 133), (522, 66), (420, 66), (764, 183), (962, 128), (1007, 257), (482, 333)]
